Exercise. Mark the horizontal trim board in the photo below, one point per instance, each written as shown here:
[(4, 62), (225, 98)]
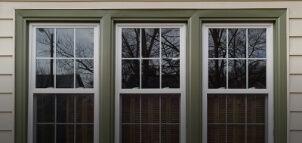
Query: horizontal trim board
[(143, 0)]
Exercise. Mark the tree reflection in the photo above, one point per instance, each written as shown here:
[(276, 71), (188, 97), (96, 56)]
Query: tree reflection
[(235, 53), (144, 57), (62, 40)]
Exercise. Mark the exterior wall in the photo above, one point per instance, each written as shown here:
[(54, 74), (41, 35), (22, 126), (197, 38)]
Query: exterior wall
[(7, 12)]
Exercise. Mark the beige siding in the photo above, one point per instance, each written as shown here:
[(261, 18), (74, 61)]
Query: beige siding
[(7, 50), (7, 46), (6, 103), (6, 136), (6, 120)]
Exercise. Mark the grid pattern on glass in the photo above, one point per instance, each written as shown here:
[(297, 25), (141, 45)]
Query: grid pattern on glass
[(149, 118), (64, 57), (64, 118), (237, 58), (234, 118), (150, 58)]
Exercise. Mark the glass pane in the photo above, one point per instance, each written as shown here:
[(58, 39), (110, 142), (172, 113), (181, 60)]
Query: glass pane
[(130, 134), (84, 134), (84, 42), (44, 42), (237, 42), (170, 73), (170, 108), (130, 74), (255, 134), (44, 73), (65, 42), (257, 73), (130, 42), (217, 43), (216, 108), (150, 108), (237, 74), (150, 134), (84, 73), (150, 42), (45, 108), (257, 43), (65, 134), (65, 108), (150, 74), (256, 108), (170, 40), (84, 108), (170, 134), (65, 74), (235, 134), (236, 108), (217, 73), (216, 133), (45, 134), (130, 108)]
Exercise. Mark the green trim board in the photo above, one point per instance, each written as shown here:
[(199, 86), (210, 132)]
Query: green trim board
[(194, 19)]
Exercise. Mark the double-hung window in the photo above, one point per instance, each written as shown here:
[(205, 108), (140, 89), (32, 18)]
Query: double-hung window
[(63, 85), (237, 83), (150, 83)]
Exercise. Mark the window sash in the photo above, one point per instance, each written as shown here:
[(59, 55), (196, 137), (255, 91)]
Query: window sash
[(269, 125), (32, 74), (118, 86)]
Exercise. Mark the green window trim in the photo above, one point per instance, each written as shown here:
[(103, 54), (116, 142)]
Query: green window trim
[(194, 18)]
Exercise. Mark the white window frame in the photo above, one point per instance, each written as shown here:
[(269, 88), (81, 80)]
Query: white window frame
[(118, 75), (32, 75), (269, 119)]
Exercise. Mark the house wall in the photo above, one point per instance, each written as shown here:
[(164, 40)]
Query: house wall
[(7, 52)]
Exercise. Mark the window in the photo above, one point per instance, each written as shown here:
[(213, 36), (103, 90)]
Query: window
[(238, 78), (150, 83), (63, 98)]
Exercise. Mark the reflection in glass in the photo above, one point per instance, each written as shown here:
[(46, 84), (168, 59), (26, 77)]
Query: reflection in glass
[(65, 134), (237, 74), (45, 134), (65, 73), (257, 43), (44, 73), (150, 42), (236, 43), (65, 42), (45, 108), (170, 40), (217, 73), (130, 74), (84, 108), (130, 42), (44, 42), (150, 73), (84, 42), (257, 73), (170, 73), (217, 43), (84, 73), (84, 133), (65, 108)]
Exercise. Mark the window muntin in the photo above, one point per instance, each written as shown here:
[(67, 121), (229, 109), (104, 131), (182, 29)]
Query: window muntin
[(63, 98), (237, 61), (143, 107)]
